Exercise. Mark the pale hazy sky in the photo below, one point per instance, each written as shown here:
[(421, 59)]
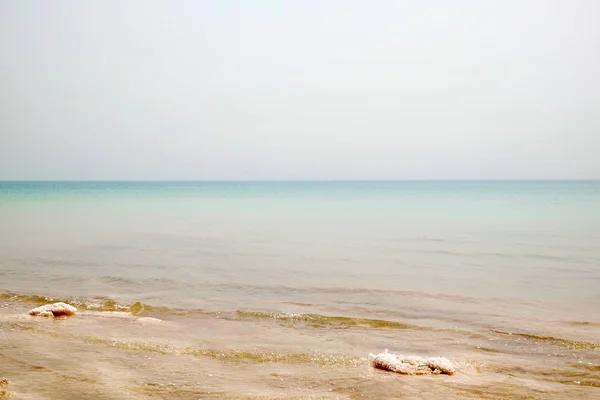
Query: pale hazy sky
[(303, 89)]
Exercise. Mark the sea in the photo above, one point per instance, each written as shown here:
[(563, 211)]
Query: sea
[(285, 290)]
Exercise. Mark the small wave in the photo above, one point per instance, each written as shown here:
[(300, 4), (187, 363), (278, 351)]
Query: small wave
[(22, 298), (301, 320), (171, 390), (297, 303), (252, 357), (588, 367), (260, 357), (38, 368), (582, 323), (485, 349), (571, 344), (111, 305), (324, 321), (409, 293), (578, 374), (138, 309), (117, 280), (582, 383)]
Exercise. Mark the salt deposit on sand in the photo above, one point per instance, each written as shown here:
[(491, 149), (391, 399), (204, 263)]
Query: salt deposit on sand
[(54, 310), (412, 365), (149, 320)]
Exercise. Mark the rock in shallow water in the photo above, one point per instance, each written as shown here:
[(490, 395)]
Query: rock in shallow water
[(3, 384), (412, 365), (54, 310)]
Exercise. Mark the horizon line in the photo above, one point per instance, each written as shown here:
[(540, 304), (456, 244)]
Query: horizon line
[(316, 180)]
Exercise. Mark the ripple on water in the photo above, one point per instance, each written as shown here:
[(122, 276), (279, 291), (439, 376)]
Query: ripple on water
[(567, 343), (325, 321)]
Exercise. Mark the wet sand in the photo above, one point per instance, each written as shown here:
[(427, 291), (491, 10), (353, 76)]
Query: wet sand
[(161, 353)]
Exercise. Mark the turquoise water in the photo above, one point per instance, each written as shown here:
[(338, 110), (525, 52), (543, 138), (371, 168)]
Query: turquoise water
[(397, 249), (543, 190)]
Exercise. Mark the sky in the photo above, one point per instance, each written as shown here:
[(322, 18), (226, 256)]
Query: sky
[(305, 89)]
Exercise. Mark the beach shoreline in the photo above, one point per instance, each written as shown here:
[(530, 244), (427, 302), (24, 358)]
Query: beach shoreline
[(124, 355)]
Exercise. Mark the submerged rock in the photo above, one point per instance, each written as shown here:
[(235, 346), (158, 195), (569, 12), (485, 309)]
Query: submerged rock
[(412, 365), (54, 310)]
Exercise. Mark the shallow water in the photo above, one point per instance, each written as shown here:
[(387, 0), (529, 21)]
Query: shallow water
[(281, 290)]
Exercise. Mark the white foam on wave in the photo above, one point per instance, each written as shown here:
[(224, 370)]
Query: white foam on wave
[(54, 310), (412, 365)]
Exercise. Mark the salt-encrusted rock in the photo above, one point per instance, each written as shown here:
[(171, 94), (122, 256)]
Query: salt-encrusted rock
[(54, 310), (3, 385), (441, 364), (412, 365)]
